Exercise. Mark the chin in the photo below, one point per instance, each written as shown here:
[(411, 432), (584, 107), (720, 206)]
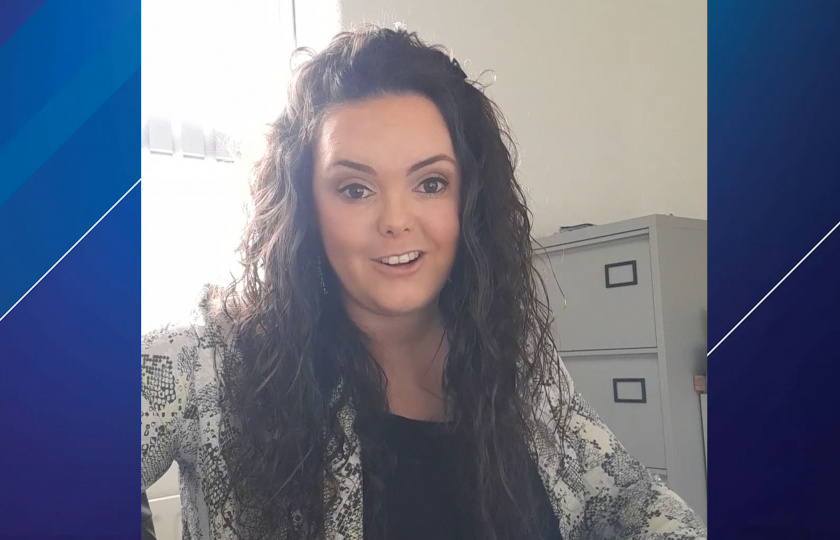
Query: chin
[(404, 305)]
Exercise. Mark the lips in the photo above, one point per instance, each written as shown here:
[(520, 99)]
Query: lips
[(403, 258), (384, 266)]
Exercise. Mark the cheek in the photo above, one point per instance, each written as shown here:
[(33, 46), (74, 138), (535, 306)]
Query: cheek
[(343, 234), (445, 229)]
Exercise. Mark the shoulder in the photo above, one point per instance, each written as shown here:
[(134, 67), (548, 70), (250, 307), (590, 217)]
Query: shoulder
[(209, 316), (205, 331)]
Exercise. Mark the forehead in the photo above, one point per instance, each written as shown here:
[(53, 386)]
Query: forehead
[(391, 129)]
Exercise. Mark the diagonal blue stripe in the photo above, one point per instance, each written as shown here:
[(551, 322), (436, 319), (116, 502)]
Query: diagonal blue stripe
[(69, 109), (13, 14), (69, 193), (49, 48)]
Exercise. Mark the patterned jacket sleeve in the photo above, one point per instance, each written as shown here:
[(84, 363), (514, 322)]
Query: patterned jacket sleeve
[(166, 397), (622, 499)]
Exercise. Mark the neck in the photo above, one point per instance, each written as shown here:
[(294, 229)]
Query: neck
[(411, 350)]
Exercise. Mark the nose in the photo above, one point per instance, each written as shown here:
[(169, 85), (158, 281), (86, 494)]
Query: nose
[(395, 217)]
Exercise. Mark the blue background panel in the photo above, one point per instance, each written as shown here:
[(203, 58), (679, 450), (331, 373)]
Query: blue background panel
[(774, 193), (69, 393), (69, 150)]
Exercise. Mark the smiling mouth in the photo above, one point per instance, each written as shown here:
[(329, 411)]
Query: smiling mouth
[(403, 260)]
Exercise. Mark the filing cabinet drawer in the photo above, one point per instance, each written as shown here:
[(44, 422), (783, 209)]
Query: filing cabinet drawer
[(608, 291), (624, 391), (166, 516), (167, 486)]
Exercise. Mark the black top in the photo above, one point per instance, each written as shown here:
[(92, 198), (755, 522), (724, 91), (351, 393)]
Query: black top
[(420, 493)]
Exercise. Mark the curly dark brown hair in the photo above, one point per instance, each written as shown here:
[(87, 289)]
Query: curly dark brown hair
[(303, 359)]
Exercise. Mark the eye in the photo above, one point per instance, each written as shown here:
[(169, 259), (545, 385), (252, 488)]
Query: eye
[(356, 191), (433, 185)]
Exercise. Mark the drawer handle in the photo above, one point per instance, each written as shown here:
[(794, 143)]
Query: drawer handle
[(615, 278), (634, 387)]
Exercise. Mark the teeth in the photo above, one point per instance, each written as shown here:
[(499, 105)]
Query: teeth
[(401, 259)]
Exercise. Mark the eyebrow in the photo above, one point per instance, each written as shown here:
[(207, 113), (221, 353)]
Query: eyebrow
[(370, 170)]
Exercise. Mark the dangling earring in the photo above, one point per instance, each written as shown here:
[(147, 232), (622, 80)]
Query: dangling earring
[(321, 276)]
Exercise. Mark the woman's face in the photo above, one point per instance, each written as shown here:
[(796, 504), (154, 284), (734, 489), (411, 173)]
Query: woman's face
[(386, 187)]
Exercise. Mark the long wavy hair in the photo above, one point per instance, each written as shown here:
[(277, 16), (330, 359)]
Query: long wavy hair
[(303, 360)]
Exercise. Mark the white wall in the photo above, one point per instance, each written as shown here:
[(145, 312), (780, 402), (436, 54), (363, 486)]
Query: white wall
[(607, 99)]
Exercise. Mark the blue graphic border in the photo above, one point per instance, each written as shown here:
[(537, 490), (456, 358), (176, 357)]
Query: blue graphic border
[(69, 150), (774, 193)]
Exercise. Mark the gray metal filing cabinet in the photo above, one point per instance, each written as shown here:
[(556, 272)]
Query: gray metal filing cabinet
[(629, 302)]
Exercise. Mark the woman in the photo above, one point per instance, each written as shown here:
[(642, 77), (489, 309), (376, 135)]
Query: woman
[(384, 366)]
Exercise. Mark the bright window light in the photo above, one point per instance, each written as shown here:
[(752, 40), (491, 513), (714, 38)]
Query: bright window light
[(216, 67), (216, 62)]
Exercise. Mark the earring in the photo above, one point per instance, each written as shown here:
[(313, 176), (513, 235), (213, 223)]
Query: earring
[(321, 276)]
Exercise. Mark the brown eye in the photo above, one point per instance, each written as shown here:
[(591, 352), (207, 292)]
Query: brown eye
[(356, 191), (433, 185)]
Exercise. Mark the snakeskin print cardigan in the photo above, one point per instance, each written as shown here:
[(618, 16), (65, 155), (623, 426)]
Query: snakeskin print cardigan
[(597, 490)]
